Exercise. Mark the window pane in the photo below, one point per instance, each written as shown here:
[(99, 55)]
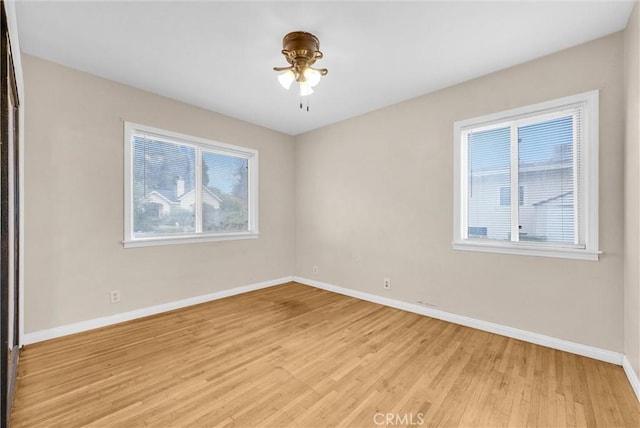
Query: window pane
[(546, 171), (505, 195), (489, 183), (163, 184), (225, 195)]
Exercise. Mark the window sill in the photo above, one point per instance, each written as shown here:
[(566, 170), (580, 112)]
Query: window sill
[(528, 250), (188, 239)]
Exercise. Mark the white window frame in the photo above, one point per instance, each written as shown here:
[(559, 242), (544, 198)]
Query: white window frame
[(587, 201), (201, 144)]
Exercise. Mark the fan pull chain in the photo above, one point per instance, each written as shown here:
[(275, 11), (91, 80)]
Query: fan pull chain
[(307, 103)]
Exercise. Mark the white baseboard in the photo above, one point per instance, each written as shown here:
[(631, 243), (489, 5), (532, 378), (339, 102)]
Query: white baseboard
[(52, 333), (527, 336), (632, 376)]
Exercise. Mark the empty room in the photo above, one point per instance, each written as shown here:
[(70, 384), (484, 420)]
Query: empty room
[(320, 214)]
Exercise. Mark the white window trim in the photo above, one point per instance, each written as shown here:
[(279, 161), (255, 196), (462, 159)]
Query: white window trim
[(589, 101), (131, 129)]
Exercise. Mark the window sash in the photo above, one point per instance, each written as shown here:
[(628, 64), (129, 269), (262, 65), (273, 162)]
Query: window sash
[(514, 183), (584, 110), (200, 145)]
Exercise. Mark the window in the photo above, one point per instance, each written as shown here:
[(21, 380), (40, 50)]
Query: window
[(551, 150), (505, 196), (181, 189)]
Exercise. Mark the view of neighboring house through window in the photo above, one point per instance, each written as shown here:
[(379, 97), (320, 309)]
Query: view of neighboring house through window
[(548, 152), (227, 177), (163, 179), (183, 188), (505, 196)]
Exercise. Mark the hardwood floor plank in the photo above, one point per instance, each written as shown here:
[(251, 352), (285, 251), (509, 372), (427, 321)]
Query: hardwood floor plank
[(296, 356)]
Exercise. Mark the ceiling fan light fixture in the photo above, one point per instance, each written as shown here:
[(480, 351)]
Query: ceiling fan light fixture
[(312, 76), (305, 89), (301, 50), (286, 79)]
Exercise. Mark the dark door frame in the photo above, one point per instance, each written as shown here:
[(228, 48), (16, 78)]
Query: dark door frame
[(8, 168)]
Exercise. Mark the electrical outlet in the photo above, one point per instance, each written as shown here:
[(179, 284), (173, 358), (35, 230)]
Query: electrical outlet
[(316, 269), (114, 295), (387, 283)]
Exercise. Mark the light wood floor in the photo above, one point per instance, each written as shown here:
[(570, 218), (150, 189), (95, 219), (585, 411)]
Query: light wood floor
[(296, 356)]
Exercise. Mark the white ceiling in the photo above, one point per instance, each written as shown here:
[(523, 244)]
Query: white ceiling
[(219, 55)]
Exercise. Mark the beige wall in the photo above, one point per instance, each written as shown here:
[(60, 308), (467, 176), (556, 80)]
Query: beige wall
[(374, 197), (632, 191), (74, 202)]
